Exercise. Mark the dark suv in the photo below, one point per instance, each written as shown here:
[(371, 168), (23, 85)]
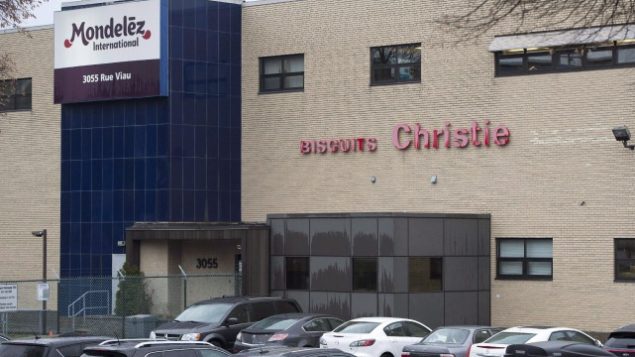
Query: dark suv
[(154, 348), (49, 346), (622, 341), (219, 320)]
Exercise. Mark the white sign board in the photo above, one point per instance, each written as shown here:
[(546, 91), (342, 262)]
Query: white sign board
[(43, 292), (8, 298), (124, 32)]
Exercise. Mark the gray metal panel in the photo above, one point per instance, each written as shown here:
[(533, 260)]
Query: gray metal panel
[(484, 313), (484, 239), (277, 236), (484, 273), (330, 237), (427, 308), (331, 274), (277, 273), (302, 297), (425, 236), (255, 258), (461, 308), (338, 304), (393, 305), (364, 236), (296, 239), (393, 236), (363, 304), (461, 237), (278, 293), (460, 273), (393, 274)]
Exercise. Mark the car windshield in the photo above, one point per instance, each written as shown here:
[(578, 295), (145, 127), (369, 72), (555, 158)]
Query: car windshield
[(209, 313), (510, 338), (356, 327), (274, 323), (9, 350), (447, 336), (621, 340)]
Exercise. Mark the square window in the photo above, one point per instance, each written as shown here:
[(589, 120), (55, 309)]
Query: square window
[(15, 94), (365, 274), (282, 73), (297, 273), (519, 258), (395, 64), (425, 274), (625, 259)]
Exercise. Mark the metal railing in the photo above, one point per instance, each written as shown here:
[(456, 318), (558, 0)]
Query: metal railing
[(73, 313)]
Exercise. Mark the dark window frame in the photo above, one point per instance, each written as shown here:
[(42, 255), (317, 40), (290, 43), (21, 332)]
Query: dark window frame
[(396, 66), (525, 261), (281, 75), (307, 275), (430, 277), (11, 105), (617, 277), (361, 288)]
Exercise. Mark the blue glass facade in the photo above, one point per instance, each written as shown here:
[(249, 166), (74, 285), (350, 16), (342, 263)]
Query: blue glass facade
[(174, 158)]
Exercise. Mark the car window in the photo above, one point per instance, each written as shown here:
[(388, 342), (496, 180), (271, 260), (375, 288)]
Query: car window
[(481, 335), (558, 336), (416, 330), (356, 327), (578, 337), (210, 353), (317, 325), (210, 313), (179, 353), (510, 338), (284, 307), (450, 336), (395, 329), (240, 313), (334, 323), (260, 310), (21, 350), (621, 340), (274, 323), (74, 350)]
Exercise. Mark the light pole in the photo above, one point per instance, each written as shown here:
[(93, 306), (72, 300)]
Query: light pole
[(42, 234)]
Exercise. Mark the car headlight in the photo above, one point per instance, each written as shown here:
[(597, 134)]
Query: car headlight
[(239, 337), (191, 337), (153, 335)]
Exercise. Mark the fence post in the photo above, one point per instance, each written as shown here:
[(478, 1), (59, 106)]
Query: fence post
[(184, 278)]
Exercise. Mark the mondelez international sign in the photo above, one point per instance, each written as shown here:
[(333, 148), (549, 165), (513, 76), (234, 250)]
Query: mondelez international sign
[(111, 52)]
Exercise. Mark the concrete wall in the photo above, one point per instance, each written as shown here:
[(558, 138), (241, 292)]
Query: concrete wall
[(30, 167), (562, 176)]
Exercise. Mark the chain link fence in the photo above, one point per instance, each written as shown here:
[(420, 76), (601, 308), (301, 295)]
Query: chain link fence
[(124, 307)]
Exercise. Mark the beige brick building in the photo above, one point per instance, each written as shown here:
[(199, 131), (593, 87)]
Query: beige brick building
[(562, 175), (30, 167)]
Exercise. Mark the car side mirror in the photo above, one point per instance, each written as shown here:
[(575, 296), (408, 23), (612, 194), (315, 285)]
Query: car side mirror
[(231, 321)]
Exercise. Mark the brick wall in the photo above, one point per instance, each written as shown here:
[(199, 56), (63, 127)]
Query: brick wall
[(563, 175), (30, 166)]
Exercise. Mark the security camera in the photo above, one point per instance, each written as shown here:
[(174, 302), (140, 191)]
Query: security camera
[(38, 233), (622, 134)]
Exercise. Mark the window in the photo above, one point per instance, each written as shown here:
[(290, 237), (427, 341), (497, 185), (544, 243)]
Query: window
[(317, 325), (625, 259), (524, 258), (334, 323), (284, 307), (297, 273), (564, 59), (481, 335), (365, 274), (282, 73), (395, 329), (425, 274), (260, 310), (210, 353), (416, 330), (395, 64), (240, 313), (15, 95)]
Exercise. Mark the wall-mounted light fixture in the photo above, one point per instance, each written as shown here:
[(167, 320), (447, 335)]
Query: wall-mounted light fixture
[(433, 179), (622, 134), (373, 179)]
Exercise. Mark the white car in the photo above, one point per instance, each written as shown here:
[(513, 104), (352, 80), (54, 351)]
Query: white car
[(496, 345), (375, 336)]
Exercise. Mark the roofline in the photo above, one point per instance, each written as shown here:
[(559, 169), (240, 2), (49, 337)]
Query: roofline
[(71, 4), (266, 2), (28, 28)]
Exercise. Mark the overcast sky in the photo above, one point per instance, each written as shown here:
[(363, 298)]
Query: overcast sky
[(44, 13)]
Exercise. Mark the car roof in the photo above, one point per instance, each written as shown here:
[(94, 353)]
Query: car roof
[(131, 344), (469, 327), (625, 328), (303, 314), (240, 299), (380, 320), (285, 350), (536, 329), (57, 341)]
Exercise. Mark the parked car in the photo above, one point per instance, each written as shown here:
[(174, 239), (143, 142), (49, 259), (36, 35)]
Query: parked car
[(49, 347), (297, 329), (450, 340), (154, 348), (219, 320), (375, 336), (621, 342), (495, 345), (285, 351), (556, 349)]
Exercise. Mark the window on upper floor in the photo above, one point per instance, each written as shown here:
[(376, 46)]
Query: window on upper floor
[(395, 64), (15, 94), (625, 259), (520, 258), (282, 73)]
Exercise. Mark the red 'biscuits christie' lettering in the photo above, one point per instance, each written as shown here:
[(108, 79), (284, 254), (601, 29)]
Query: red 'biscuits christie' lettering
[(338, 145), (404, 136)]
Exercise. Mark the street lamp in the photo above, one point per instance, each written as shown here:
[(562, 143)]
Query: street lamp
[(42, 234)]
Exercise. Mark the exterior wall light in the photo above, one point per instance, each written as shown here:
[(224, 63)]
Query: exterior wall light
[(373, 179), (433, 179), (622, 134)]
